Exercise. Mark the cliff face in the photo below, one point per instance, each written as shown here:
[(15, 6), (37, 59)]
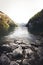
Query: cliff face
[(35, 24), (6, 23)]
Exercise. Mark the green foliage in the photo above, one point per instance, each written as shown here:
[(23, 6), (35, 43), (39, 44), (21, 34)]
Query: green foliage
[(6, 24), (38, 15)]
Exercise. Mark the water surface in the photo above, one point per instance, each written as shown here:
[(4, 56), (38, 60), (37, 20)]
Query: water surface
[(22, 33)]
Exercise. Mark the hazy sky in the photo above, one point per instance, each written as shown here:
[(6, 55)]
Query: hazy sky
[(21, 10)]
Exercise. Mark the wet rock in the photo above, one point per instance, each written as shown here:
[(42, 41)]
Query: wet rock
[(17, 55), (30, 61), (18, 50), (13, 46), (24, 50), (4, 60), (26, 62), (15, 40), (33, 62), (25, 46), (29, 51), (5, 49), (13, 63), (19, 61), (19, 42), (40, 52), (10, 55)]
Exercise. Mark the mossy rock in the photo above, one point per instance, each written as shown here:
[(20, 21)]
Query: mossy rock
[(35, 24), (6, 24)]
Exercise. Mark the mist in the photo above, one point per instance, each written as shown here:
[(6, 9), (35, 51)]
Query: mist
[(21, 10)]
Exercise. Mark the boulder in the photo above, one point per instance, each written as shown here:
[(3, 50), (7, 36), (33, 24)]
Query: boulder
[(17, 56), (6, 49), (4, 60)]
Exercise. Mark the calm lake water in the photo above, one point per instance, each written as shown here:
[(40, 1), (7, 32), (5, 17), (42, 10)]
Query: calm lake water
[(22, 33)]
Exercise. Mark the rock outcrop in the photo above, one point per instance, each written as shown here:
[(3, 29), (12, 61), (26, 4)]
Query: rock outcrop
[(35, 24)]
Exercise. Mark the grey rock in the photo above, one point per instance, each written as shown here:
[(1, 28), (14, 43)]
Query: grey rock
[(26, 62), (13, 63), (17, 55), (19, 61), (29, 62), (10, 55), (5, 49), (18, 50), (13, 46), (4, 60)]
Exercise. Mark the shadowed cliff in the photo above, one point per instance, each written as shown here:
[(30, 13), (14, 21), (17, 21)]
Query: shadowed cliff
[(35, 24)]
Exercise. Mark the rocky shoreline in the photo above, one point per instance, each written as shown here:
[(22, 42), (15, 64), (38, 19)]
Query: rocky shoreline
[(20, 53)]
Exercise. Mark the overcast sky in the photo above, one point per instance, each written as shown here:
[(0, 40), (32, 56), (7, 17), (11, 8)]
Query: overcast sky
[(21, 10)]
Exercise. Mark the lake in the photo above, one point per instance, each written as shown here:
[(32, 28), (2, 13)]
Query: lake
[(22, 34)]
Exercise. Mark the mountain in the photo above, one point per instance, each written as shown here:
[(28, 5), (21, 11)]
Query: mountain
[(22, 25), (35, 24), (6, 24)]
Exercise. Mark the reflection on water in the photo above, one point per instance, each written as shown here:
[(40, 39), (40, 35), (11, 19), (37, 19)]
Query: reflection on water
[(21, 33)]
